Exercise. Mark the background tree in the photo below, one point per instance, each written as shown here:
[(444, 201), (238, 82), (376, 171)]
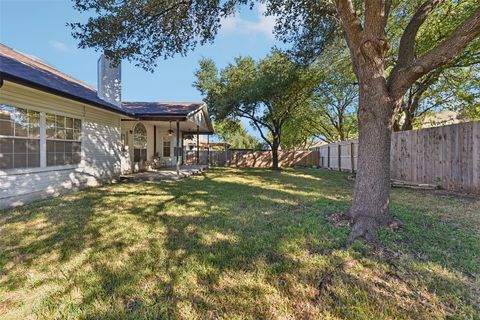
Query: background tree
[(267, 93), (336, 97), (298, 133), (146, 30), (332, 113), (234, 133), (454, 86)]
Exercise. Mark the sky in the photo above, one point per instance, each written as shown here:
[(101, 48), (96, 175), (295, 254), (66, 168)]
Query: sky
[(38, 28)]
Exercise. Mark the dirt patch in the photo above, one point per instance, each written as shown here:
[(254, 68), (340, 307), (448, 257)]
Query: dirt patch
[(340, 219)]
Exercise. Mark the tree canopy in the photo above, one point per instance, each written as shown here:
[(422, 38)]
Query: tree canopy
[(268, 93), (234, 133), (336, 96), (454, 86)]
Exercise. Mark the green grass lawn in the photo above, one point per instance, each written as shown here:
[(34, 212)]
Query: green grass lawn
[(237, 244)]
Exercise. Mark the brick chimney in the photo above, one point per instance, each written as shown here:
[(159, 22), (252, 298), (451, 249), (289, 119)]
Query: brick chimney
[(109, 81)]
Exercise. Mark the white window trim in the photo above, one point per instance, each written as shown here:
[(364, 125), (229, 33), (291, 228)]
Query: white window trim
[(20, 171), (133, 141), (15, 170), (44, 130), (43, 146)]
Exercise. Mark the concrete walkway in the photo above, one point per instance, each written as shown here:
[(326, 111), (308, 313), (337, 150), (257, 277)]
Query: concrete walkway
[(163, 174)]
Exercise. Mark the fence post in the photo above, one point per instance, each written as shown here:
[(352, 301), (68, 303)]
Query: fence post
[(339, 157), (352, 159), (208, 149), (328, 156)]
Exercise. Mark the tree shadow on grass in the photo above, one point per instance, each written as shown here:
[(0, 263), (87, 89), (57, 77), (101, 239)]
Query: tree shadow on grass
[(219, 245), (429, 238), (36, 230), (212, 223)]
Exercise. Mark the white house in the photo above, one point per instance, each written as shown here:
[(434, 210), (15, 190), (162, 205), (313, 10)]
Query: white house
[(58, 134)]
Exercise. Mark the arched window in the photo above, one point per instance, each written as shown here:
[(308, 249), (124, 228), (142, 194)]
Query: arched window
[(139, 143)]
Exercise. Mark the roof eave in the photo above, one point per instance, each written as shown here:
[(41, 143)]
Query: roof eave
[(207, 116), (34, 85), (203, 108), (153, 117)]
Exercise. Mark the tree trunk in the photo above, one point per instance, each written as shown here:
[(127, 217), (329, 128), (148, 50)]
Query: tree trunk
[(408, 124), (370, 207), (275, 145)]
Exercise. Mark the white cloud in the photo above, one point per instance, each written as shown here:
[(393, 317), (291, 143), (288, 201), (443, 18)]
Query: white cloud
[(60, 46), (264, 24)]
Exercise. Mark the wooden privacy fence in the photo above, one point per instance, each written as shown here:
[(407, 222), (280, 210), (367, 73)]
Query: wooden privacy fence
[(339, 156), (255, 159), (448, 156)]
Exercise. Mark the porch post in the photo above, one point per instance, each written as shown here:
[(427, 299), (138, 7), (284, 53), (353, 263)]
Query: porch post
[(198, 146), (181, 146), (178, 153), (208, 149), (154, 140)]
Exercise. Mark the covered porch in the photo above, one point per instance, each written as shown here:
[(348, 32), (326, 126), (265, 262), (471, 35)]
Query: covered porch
[(160, 138)]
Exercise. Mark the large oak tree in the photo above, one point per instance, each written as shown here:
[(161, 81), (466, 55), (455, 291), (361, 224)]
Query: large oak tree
[(149, 29), (268, 93)]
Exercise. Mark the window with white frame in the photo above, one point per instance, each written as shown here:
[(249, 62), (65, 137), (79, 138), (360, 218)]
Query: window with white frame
[(139, 143), (63, 135), (19, 137), (166, 148), (28, 136)]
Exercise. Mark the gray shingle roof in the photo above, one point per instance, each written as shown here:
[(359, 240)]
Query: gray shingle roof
[(29, 69), (19, 67)]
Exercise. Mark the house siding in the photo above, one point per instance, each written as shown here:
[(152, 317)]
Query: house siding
[(101, 149)]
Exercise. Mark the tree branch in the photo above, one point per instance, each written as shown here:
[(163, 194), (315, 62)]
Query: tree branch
[(376, 17), (406, 50), (252, 117), (442, 54), (388, 7), (262, 135), (351, 23)]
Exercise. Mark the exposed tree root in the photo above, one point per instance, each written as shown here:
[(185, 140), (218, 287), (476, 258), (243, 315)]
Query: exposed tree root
[(365, 227)]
